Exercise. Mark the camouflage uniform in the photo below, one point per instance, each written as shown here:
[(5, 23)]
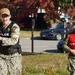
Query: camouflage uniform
[(11, 63), (71, 63)]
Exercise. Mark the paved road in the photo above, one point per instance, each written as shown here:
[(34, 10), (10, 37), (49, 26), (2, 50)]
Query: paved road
[(39, 45)]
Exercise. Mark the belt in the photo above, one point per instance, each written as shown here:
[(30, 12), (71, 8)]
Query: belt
[(7, 52)]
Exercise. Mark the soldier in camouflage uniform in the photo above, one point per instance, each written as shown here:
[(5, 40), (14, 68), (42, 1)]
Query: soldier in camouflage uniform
[(10, 52), (69, 45)]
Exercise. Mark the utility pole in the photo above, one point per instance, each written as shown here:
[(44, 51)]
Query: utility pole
[(32, 38), (71, 2), (64, 29)]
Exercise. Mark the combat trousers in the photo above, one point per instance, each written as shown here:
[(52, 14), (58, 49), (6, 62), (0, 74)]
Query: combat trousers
[(11, 64), (71, 66)]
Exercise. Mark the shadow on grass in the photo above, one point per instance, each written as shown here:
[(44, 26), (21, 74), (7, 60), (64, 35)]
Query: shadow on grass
[(40, 53), (39, 38), (52, 51), (30, 53), (36, 38)]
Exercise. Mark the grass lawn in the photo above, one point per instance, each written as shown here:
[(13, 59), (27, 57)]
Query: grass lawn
[(45, 64), (28, 34)]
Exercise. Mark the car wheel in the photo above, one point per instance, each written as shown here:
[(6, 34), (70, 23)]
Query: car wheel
[(58, 36)]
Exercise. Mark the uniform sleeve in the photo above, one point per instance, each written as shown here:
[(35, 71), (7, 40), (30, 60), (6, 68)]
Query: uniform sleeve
[(15, 33), (65, 45)]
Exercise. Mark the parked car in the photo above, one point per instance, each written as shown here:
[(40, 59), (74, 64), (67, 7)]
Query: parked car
[(60, 46), (55, 32)]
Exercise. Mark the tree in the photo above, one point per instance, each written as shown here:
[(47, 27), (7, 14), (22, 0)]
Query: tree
[(23, 8)]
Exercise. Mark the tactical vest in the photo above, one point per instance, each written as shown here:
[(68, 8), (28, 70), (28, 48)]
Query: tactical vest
[(6, 32), (72, 42)]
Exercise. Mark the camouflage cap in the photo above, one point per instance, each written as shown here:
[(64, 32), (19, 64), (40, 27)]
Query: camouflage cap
[(4, 11)]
